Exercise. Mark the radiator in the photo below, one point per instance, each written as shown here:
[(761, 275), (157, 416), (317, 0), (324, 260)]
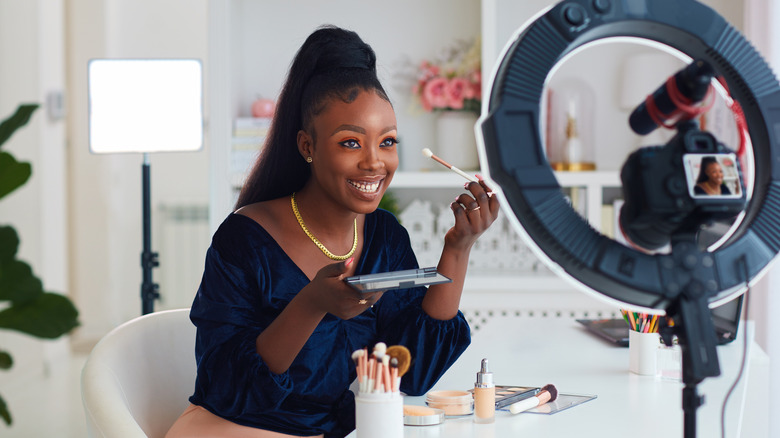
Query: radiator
[(181, 238)]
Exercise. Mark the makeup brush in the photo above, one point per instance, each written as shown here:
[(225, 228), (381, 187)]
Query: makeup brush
[(394, 379), (429, 154), (547, 394), (357, 356), (386, 382), (403, 357)]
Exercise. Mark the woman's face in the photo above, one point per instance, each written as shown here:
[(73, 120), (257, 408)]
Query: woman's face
[(354, 151), (714, 173)]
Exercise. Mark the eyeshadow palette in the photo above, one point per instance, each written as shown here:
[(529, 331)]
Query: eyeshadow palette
[(506, 395)]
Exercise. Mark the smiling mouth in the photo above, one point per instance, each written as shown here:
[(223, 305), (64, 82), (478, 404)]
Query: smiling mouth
[(364, 187)]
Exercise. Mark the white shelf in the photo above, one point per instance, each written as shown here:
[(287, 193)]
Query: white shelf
[(593, 183), (444, 179)]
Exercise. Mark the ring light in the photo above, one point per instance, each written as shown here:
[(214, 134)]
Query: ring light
[(513, 151), (683, 282)]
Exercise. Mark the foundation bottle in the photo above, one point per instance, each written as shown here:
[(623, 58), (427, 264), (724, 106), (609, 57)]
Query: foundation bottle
[(484, 396)]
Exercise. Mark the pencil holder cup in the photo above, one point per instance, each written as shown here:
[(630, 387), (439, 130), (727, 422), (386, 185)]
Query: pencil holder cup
[(642, 348), (379, 415)]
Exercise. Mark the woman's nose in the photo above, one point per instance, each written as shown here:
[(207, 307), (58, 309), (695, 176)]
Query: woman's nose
[(371, 159)]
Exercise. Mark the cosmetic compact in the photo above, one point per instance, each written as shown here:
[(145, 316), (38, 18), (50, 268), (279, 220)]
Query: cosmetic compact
[(454, 403), (422, 416)]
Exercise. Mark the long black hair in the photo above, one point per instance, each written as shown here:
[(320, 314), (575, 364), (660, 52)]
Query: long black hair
[(331, 63), (705, 162)]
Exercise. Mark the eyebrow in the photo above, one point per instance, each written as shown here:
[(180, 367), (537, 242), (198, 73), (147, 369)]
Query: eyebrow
[(360, 130)]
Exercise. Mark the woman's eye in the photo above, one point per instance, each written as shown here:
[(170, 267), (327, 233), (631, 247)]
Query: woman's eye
[(388, 143), (352, 144)]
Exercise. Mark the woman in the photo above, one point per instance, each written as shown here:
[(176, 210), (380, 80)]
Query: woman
[(710, 180), (276, 322)]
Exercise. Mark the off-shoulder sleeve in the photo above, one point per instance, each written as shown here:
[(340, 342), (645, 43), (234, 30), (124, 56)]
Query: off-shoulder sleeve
[(232, 378), (434, 344)]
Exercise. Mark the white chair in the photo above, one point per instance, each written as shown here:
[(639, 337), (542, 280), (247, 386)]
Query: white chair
[(138, 378)]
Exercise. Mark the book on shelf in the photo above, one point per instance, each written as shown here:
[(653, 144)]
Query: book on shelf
[(251, 126), (608, 220), (248, 138)]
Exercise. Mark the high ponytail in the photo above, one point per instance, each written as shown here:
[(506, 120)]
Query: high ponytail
[(331, 63)]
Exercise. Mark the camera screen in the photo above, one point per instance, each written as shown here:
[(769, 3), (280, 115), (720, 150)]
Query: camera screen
[(712, 175)]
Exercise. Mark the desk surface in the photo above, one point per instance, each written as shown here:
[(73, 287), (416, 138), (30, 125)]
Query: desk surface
[(534, 351)]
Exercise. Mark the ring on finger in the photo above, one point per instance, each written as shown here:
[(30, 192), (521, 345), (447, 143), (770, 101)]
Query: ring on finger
[(473, 209)]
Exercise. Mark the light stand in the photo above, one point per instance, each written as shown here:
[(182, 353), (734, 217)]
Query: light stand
[(145, 106), (696, 335), (149, 260)]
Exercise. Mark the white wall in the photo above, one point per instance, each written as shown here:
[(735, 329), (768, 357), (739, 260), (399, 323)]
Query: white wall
[(105, 190)]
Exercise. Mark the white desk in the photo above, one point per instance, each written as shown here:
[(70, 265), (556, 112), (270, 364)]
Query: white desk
[(534, 351)]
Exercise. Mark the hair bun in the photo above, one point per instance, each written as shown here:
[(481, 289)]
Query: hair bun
[(342, 49)]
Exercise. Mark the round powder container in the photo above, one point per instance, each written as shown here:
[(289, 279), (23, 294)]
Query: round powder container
[(422, 416), (453, 403)]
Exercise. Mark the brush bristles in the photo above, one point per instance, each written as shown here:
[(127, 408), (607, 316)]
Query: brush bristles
[(552, 390), (427, 152)]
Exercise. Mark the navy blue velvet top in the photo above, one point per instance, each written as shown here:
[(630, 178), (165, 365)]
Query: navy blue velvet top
[(247, 282)]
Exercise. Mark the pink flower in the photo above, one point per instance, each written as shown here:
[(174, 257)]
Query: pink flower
[(476, 91), (454, 83), (428, 71), (434, 94), (457, 89)]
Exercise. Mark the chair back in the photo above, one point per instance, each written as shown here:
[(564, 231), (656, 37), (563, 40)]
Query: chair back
[(138, 378)]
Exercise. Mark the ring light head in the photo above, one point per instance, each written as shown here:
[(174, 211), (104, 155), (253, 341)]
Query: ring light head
[(512, 152)]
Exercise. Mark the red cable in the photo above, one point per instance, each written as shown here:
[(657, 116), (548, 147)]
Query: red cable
[(739, 118), (684, 108)]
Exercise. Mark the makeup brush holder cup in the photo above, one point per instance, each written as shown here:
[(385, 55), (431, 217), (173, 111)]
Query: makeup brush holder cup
[(642, 350), (379, 415)]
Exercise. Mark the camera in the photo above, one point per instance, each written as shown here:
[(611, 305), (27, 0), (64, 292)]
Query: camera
[(676, 188)]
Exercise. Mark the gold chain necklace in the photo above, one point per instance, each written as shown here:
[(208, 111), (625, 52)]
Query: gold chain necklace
[(317, 242)]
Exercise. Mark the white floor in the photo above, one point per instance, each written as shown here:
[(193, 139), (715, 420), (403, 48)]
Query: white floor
[(46, 404)]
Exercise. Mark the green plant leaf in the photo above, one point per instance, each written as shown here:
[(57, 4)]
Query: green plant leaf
[(390, 203), (18, 284), (6, 361), (16, 121), (9, 243), (13, 174), (48, 316), (4, 412)]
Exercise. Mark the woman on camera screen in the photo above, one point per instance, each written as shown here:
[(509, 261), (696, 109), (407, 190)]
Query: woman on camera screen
[(710, 180)]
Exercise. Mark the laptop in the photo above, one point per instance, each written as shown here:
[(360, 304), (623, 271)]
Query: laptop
[(725, 318)]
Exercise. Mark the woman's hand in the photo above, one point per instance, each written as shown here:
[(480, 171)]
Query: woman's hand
[(328, 293), (474, 213), (280, 343)]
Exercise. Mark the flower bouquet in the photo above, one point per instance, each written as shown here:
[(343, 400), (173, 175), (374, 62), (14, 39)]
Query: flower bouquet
[(452, 81)]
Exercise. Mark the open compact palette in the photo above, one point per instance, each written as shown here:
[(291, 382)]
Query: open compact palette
[(506, 395)]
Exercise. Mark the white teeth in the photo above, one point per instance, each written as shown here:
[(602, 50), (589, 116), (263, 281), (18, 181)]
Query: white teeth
[(366, 188)]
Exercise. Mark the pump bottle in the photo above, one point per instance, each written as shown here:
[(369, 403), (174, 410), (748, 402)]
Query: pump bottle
[(484, 396)]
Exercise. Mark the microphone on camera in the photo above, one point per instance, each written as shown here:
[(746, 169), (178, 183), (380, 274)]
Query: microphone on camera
[(675, 100)]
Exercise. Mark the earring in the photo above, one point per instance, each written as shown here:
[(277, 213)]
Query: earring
[(309, 159)]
